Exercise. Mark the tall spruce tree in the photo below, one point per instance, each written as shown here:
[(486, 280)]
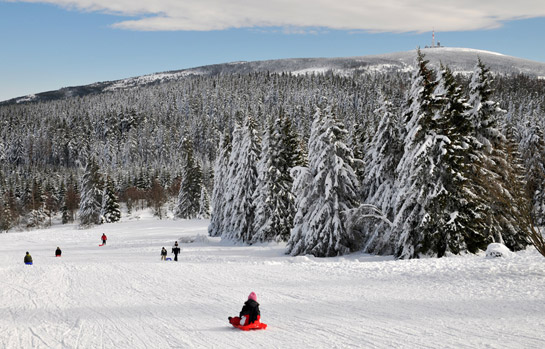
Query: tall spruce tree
[(221, 171), (189, 195), (414, 183), (497, 172), (204, 204), (533, 148), (110, 203), (514, 201), (381, 161), (325, 192), (454, 224), (91, 194), (274, 200), (240, 208)]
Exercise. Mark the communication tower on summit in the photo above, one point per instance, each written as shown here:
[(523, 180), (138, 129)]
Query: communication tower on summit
[(433, 45)]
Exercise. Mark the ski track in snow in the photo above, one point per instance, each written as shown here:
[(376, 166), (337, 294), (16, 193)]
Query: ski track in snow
[(122, 296)]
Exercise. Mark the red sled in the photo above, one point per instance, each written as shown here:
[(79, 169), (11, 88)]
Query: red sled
[(100, 245), (252, 326), (256, 325)]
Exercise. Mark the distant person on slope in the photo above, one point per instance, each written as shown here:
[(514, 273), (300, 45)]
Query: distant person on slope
[(176, 250), (28, 258), (104, 238), (249, 313), (58, 252), (164, 254)]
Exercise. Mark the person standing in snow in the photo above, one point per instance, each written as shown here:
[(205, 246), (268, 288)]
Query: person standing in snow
[(28, 258), (58, 252), (104, 238), (249, 314), (176, 250), (164, 254)]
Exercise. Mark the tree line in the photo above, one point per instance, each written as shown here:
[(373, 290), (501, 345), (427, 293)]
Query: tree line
[(168, 145)]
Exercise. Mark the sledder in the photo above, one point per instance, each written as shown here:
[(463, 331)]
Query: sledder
[(104, 238), (28, 259), (249, 317)]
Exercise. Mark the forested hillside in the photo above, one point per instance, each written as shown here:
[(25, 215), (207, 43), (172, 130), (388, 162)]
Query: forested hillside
[(157, 146)]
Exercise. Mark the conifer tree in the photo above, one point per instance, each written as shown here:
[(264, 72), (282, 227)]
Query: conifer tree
[(190, 186), (454, 224), (273, 198), (221, 171), (91, 194), (498, 176), (6, 220), (381, 160), (204, 204), (110, 203), (240, 208), (358, 145), (533, 148), (514, 204), (325, 191), (413, 181)]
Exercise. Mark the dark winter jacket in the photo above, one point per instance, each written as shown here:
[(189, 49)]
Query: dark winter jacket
[(28, 258), (250, 308), (175, 250), (163, 252), (58, 252)]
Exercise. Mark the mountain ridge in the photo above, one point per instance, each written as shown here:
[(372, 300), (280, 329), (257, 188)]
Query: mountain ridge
[(460, 60)]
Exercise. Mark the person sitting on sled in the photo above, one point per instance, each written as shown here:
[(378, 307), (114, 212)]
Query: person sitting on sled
[(28, 258), (104, 238), (249, 313), (58, 252)]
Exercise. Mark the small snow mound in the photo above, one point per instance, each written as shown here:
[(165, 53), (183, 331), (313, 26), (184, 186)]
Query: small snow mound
[(200, 238), (301, 259), (495, 250)]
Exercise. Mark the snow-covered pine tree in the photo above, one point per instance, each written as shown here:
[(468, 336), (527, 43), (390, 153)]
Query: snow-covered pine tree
[(110, 203), (497, 173), (91, 194), (291, 146), (488, 142), (514, 204), (380, 162), (325, 191), (264, 195), (358, 144), (190, 186), (414, 183), (6, 220), (204, 204), (242, 177), (221, 172), (455, 222), (533, 148), (273, 198)]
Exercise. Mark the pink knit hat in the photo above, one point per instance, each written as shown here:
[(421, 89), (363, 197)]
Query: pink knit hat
[(252, 296)]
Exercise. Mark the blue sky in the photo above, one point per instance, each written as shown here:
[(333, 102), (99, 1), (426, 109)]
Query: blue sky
[(57, 43)]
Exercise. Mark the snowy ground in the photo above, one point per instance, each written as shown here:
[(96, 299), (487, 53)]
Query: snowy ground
[(123, 296)]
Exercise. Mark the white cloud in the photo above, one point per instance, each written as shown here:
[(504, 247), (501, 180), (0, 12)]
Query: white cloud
[(368, 15)]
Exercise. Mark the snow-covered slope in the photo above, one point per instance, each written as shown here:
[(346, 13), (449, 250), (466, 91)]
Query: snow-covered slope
[(122, 296), (459, 59)]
